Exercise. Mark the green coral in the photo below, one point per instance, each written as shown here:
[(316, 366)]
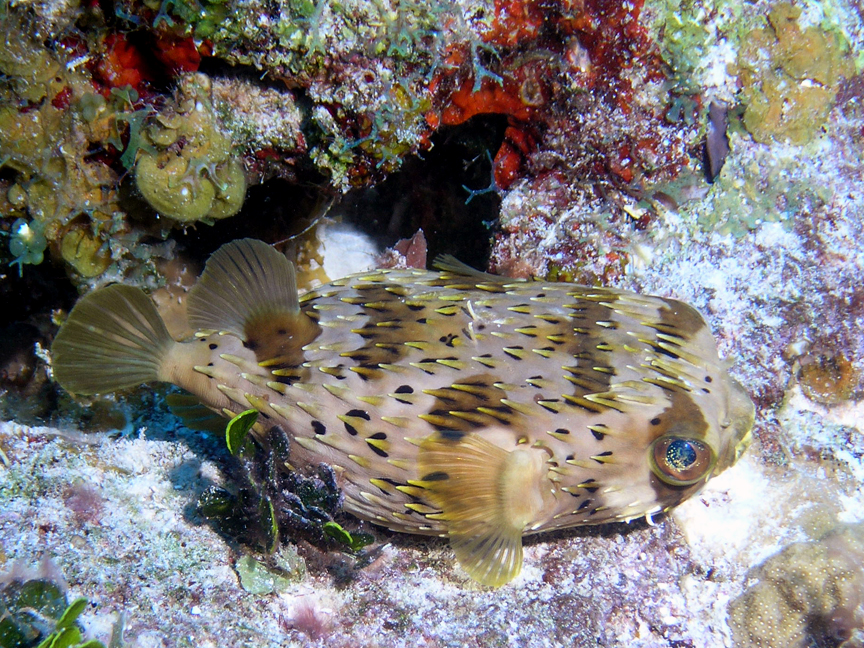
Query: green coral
[(752, 193), (50, 184), (188, 170), (789, 77), (685, 34)]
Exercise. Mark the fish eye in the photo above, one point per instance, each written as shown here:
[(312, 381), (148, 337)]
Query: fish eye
[(681, 461)]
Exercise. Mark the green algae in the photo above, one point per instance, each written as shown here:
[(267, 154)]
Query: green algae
[(789, 77), (35, 614), (762, 187)]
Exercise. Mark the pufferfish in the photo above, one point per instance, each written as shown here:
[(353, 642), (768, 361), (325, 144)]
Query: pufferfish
[(451, 403)]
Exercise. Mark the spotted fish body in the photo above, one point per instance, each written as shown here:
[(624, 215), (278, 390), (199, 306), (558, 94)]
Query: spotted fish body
[(452, 403)]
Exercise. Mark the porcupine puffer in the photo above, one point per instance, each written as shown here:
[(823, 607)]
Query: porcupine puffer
[(452, 403)]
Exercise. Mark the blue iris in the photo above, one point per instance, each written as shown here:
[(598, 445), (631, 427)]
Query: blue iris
[(681, 454)]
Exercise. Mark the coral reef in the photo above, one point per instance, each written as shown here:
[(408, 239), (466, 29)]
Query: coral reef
[(810, 592), (351, 90), (789, 76), (575, 132), (186, 169)]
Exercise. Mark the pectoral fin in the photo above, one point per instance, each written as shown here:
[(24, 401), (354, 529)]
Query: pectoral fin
[(488, 496)]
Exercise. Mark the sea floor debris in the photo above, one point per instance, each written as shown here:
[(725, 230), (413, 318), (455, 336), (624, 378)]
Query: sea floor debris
[(116, 516)]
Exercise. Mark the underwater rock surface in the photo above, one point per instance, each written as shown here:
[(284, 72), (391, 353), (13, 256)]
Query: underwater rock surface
[(116, 516)]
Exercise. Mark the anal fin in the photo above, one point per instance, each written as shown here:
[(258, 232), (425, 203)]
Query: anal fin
[(488, 496), (194, 414)]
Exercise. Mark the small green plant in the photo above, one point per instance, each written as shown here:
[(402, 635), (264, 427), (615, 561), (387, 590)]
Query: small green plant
[(35, 614), (353, 542), (270, 501), (237, 430)]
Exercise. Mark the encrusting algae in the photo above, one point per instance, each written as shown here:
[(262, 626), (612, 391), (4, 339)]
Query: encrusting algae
[(451, 403)]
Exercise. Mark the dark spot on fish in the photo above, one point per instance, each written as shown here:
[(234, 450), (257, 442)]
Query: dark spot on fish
[(415, 307), (319, 427), (570, 457), (686, 320), (213, 346), (585, 504), (592, 489), (452, 435), (608, 453), (264, 414), (655, 421), (481, 327), (709, 379), (509, 352), (378, 436), (209, 364), (594, 511), (543, 403), (422, 320), (378, 451), (665, 352), (350, 429), (287, 380), (282, 331), (438, 475), (706, 390), (541, 295), (404, 389), (562, 431), (249, 344), (359, 414), (598, 435)]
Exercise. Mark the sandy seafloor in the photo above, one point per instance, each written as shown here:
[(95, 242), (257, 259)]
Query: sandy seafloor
[(139, 548)]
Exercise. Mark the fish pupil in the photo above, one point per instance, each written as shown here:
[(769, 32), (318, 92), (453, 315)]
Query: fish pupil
[(681, 454)]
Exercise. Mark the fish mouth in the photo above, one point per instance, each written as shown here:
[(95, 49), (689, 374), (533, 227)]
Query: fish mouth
[(738, 427)]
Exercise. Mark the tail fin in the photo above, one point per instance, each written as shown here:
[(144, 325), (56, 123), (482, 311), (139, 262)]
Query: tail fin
[(113, 339)]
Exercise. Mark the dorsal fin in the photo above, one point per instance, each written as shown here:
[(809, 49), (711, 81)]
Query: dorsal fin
[(242, 280), (249, 289), (488, 497), (449, 263)]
